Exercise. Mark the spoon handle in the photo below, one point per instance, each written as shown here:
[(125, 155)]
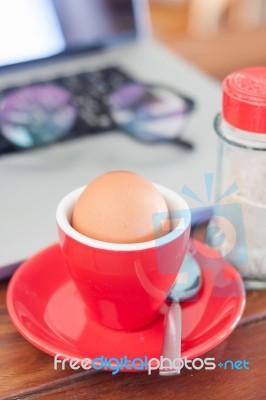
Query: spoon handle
[(172, 339)]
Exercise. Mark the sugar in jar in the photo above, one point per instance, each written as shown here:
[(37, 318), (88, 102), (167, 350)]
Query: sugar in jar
[(241, 175)]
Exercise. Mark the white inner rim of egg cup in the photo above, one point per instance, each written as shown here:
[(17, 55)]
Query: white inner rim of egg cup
[(173, 200)]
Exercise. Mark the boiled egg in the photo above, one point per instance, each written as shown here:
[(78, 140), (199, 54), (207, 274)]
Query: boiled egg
[(118, 207)]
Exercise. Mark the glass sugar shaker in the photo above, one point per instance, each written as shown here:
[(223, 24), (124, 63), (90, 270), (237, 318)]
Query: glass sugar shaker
[(238, 228)]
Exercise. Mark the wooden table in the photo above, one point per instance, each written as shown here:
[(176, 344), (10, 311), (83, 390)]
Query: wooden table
[(26, 372), (217, 55)]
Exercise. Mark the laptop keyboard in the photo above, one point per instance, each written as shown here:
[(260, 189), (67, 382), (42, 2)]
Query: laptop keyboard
[(90, 91)]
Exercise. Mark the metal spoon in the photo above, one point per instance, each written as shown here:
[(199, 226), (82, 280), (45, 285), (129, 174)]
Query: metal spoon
[(187, 285)]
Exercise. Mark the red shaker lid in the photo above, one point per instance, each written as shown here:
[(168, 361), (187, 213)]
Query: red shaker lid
[(244, 99)]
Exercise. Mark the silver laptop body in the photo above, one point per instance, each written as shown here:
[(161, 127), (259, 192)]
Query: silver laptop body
[(32, 183)]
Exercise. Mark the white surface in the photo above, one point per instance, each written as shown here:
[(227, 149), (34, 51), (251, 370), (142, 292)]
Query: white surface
[(32, 185), (29, 29)]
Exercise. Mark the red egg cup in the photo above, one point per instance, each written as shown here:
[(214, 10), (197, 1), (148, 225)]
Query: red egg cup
[(124, 285)]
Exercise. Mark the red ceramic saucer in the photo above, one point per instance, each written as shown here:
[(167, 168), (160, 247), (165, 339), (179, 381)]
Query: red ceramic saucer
[(48, 311)]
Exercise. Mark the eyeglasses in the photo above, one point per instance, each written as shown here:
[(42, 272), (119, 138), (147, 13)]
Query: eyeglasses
[(151, 113), (43, 114)]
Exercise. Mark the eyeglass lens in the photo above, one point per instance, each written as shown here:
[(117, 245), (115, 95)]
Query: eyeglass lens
[(36, 115)]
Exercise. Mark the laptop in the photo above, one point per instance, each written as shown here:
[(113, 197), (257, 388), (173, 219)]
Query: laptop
[(65, 38)]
